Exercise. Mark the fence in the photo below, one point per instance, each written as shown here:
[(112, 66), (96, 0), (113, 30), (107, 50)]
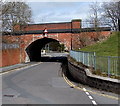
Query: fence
[(105, 64)]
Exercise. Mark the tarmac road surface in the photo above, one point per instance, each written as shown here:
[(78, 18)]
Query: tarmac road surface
[(44, 84)]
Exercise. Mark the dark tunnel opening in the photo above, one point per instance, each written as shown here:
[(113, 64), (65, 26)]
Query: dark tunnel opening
[(34, 49)]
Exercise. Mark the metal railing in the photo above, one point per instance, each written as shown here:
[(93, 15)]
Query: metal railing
[(106, 64)]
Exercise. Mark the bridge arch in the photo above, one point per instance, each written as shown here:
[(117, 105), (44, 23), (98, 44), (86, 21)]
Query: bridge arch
[(34, 49)]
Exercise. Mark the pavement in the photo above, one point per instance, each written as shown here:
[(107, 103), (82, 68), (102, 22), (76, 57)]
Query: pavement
[(16, 66)]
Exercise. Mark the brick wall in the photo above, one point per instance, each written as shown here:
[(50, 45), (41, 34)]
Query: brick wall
[(65, 25), (76, 24), (89, 36), (48, 26), (10, 57)]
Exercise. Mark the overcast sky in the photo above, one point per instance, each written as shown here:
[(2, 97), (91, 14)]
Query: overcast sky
[(47, 12), (50, 12)]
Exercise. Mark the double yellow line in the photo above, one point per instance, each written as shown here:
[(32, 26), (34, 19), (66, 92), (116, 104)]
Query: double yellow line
[(74, 86)]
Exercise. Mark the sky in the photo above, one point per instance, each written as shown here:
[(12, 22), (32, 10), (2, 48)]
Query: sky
[(50, 12)]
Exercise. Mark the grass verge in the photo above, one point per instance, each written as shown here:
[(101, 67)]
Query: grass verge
[(109, 47)]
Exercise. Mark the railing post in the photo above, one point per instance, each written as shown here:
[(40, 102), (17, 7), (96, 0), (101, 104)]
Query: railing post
[(88, 59), (85, 60), (109, 66), (94, 60), (83, 57), (79, 56), (118, 66)]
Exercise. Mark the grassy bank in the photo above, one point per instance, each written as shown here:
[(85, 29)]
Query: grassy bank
[(105, 48)]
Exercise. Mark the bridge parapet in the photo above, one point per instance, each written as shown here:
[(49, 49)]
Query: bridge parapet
[(49, 26)]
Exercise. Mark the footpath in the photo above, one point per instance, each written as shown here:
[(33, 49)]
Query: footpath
[(16, 66)]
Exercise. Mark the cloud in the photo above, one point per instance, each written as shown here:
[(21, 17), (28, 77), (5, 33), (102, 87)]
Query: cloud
[(58, 11)]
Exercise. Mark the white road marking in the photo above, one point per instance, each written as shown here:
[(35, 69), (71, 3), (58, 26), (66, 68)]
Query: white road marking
[(90, 97), (84, 89), (87, 93), (94, 102)]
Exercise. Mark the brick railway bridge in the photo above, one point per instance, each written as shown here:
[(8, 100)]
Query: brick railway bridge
[(32, 39)]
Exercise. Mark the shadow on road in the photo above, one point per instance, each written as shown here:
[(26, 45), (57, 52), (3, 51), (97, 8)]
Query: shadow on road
[(54, 59)]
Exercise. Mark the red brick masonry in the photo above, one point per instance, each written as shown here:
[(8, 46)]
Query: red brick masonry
[(67, 33)]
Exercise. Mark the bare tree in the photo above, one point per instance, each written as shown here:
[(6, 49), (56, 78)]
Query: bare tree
[(15, 13), (104, 14), (111, 13), (94, 15)]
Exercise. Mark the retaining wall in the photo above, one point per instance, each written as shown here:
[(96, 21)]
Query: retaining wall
[(9, 57), (84, 76)]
